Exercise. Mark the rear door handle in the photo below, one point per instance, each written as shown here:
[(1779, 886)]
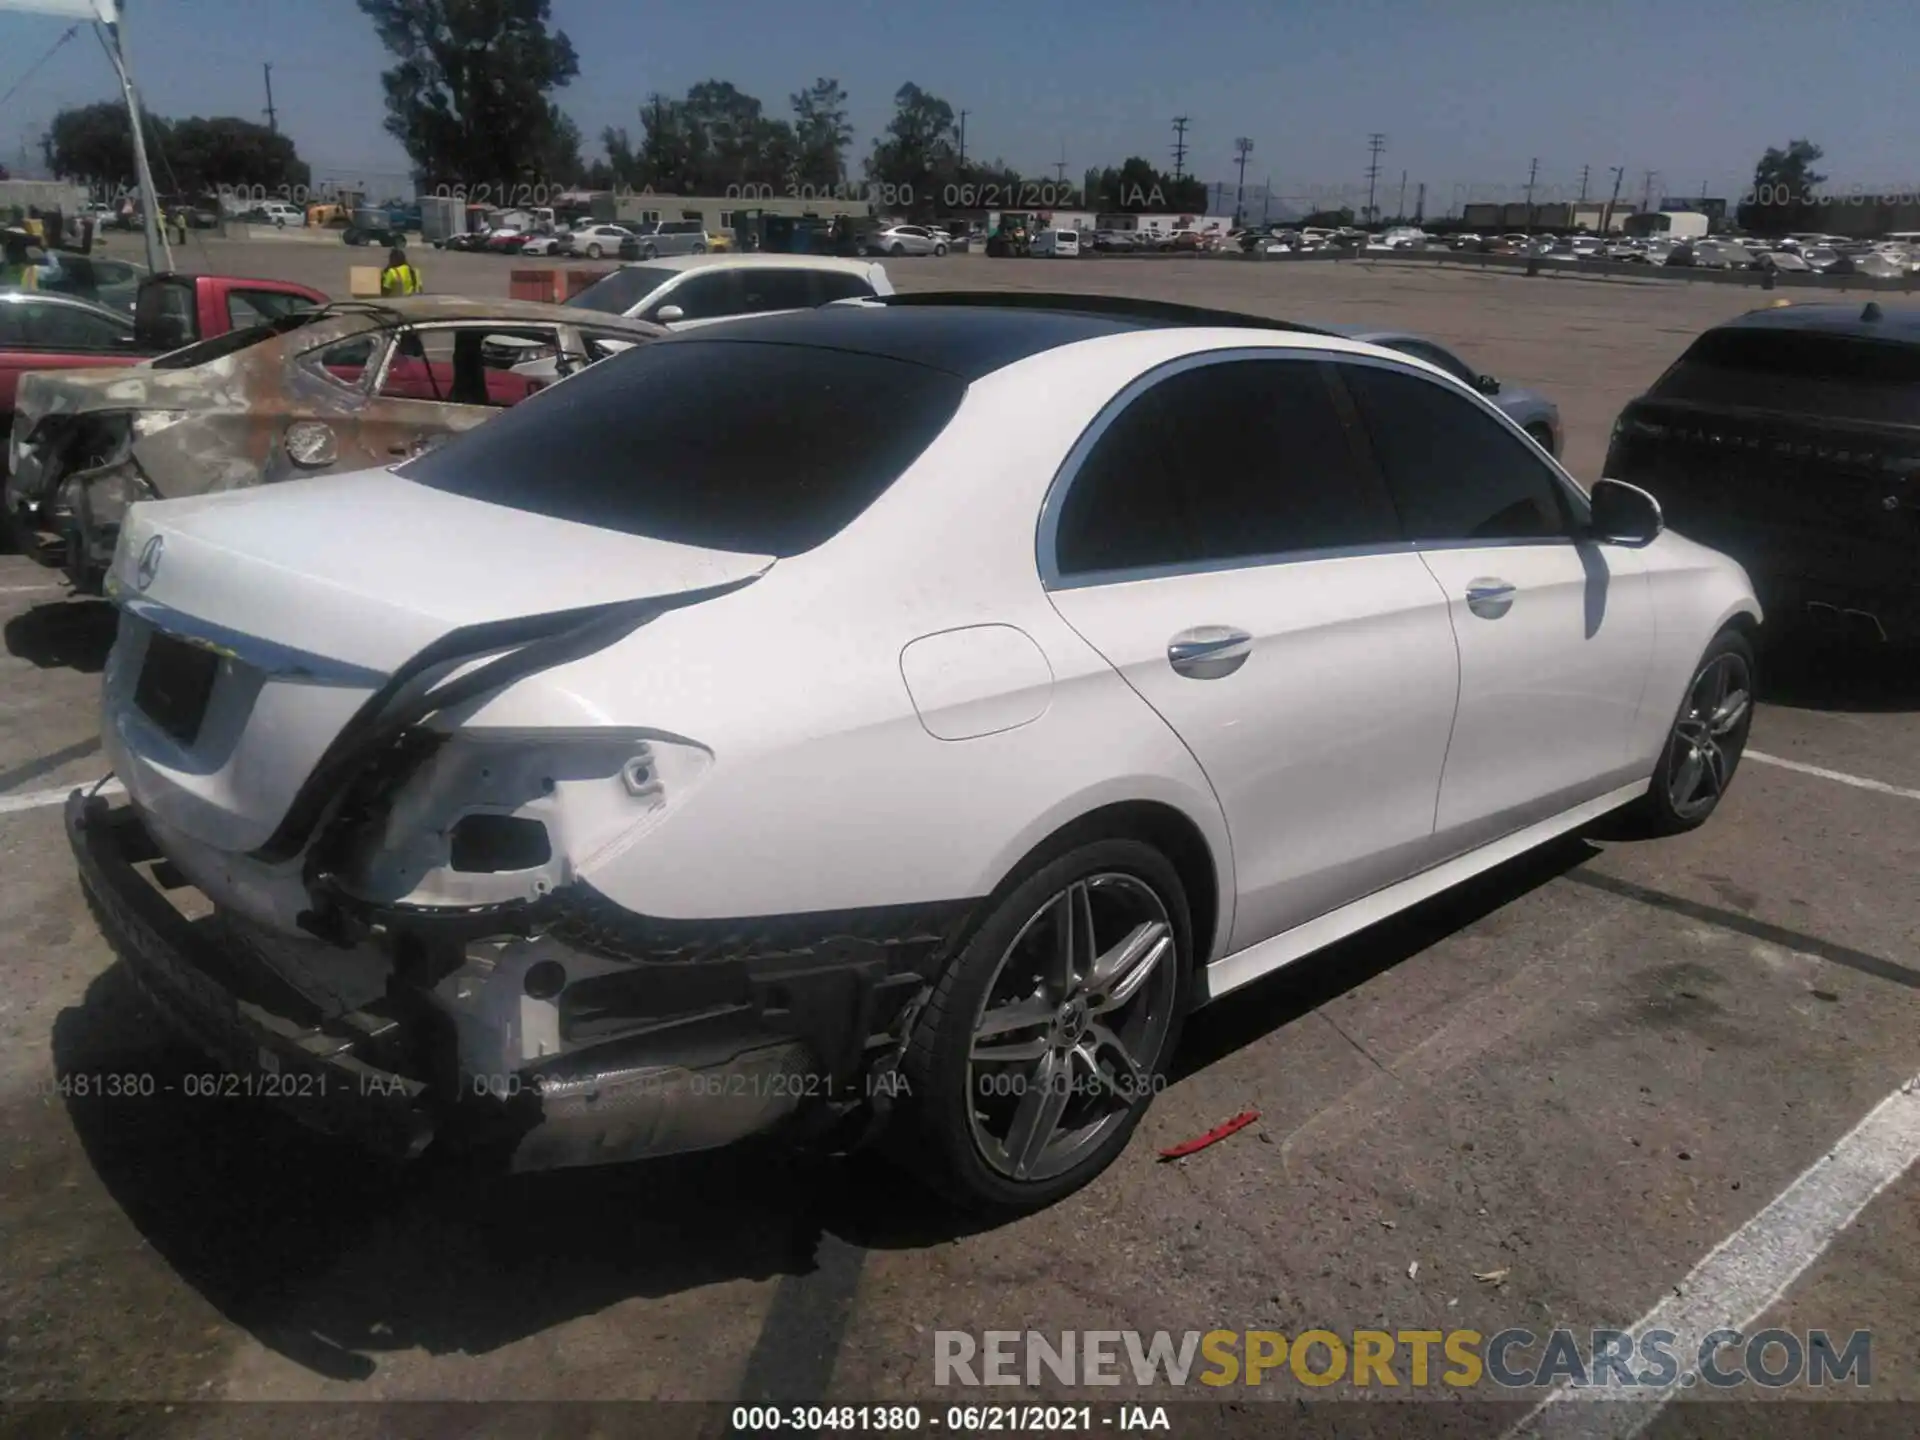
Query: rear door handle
[(1209, 652), (1489, 597)]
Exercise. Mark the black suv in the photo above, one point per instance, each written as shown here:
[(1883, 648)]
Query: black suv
[(1790, 439)]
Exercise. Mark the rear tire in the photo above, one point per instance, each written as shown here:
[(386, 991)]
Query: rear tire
[(648, 253), (1047, 1037), (594, 252), (1704, 746), (939, 249)]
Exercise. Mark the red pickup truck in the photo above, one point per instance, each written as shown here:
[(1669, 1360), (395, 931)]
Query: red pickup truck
[(45, 330)]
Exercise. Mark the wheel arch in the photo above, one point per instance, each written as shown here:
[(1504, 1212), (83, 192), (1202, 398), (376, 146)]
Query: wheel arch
[(1203, 869)]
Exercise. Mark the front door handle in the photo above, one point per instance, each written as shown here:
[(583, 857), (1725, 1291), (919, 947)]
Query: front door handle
[(1209, 652), (1489, 597)]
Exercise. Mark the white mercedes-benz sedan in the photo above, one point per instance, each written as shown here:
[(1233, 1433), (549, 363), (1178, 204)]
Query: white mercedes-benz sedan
[(892, 718)]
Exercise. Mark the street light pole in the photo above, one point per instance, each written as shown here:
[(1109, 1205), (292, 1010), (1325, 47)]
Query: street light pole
[(1242, 147)]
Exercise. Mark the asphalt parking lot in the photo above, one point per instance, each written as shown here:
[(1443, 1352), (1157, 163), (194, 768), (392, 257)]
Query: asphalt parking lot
[(1577, 1077)]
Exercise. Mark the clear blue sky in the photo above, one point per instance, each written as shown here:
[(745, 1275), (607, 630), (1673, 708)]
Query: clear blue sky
[(1466, 92)]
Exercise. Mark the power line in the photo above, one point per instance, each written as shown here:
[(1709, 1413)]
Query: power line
[(14, 89), (1179, 147), (1376, 143)]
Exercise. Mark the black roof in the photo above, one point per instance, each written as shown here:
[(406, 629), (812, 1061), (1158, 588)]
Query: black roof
[(966, 334), (1866, 320)]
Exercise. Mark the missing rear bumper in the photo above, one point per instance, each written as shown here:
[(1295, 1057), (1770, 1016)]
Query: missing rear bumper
[(674, 1037)]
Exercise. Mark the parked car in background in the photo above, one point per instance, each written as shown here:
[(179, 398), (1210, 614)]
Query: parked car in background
[(1790, 438), (42, 331), (558, 243), (597, 829), (699, 289), (507, 240), (666, 237), (898, 240), (1057, 244), (313, 390), (1528, 409), (112, 283), (595, 239), (1115, 240)]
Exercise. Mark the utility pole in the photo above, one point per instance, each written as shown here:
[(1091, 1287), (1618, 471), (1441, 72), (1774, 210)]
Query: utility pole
[(1376, 143), (1400, 210), (159, 254), (1606, 215), (1420, 205), (1266, 202), (963, 143), (1179, 147), (1060, 165), (273, 120), (1646, 195), (1533, 171), (1584, 169), (1242, 147)]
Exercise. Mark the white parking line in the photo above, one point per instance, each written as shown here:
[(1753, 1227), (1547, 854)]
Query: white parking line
[(29, 589), (1838, 776), (40, 799), (1748, 1271)]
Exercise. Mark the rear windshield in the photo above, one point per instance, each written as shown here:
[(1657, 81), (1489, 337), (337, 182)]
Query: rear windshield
[(759, 448), (1799, 371), (625, 288)]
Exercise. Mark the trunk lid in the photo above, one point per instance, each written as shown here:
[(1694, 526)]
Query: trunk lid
[(257, 625)]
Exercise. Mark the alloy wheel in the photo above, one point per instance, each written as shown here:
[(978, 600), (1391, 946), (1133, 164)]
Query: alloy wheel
[(1068, 1037), (1709, 735)]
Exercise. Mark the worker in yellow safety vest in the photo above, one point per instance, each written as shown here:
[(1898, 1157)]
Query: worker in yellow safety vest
[(399, 278)]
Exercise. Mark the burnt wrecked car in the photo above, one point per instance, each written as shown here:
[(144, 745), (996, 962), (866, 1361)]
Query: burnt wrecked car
[(344, 387)]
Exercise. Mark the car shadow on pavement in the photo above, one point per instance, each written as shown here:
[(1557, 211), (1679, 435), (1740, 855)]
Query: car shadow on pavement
[(331, 1259), (64, 635), (1809, 674), (1270, 1004)]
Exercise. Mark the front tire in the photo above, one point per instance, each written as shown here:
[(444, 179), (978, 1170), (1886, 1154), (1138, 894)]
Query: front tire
[(1542, 437), (649, 253), (594, 252), (1047, 1037), (1703, 748)]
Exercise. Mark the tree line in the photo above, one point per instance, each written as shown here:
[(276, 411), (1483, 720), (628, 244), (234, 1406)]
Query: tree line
[(94, 145)]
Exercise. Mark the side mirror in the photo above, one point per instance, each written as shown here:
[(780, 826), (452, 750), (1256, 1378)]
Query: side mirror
[(667, 314), (1625, 514), (1486, 385)]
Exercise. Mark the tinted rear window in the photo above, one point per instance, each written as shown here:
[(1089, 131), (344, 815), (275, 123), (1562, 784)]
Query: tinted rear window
[(1799, 371), (625, 288), (760, 448)]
